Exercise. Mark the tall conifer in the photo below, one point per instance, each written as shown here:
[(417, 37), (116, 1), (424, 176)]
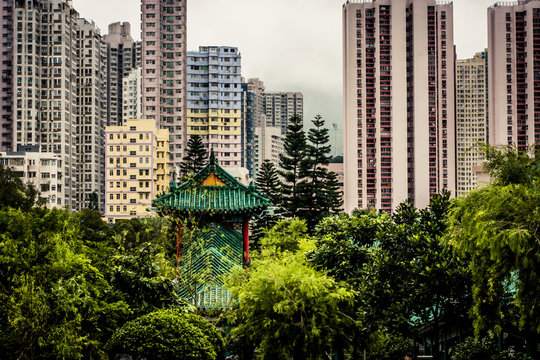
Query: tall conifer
[(195, 159)]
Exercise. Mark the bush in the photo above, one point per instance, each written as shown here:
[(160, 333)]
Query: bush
[(484, 349), (167, 334)]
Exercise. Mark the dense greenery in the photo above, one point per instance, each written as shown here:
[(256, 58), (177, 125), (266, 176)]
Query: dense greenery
[(367, 285), (167, 335), (497, 226), (68, 281)]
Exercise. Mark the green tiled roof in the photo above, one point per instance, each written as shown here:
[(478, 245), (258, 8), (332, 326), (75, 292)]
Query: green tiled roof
[(232, 197), (210, 257)]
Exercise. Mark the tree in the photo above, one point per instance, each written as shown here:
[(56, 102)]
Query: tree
[(497, 226), (93, 201), (324, 197), (292, 165), (53, 302), (167, 334), (400, 272), (283, 306), (14, 193), (195, 159), (267, 182)]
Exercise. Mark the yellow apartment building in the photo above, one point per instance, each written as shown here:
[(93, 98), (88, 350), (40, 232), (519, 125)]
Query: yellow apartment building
[(136, 168)]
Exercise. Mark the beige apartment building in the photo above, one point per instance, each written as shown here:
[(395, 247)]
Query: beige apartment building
[(471, 119), (399, 68), (514, 73), (137, 168)]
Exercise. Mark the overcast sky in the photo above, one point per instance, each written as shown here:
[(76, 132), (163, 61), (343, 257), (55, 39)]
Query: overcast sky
[(291, 45)]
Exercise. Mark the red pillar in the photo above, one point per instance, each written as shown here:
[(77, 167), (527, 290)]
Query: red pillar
[(245, 234)]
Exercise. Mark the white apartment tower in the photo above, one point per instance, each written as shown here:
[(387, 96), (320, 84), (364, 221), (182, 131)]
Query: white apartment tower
[(164, 69), (91, 116), (514, 73), (471, 118), (6, 75), (398, 102), (58, 103), (279, 107)]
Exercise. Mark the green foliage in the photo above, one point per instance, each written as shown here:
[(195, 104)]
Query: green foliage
[(483, 349), (167, 334), (323, 198), (195, 159), (53, 302), (497, 226), (399, 269), (268, 184), (284, 236), (93, 201), (507, 165), (292, 167), (14, 193), (285, 307)]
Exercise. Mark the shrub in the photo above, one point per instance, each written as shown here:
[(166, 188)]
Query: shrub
[(166, 334)]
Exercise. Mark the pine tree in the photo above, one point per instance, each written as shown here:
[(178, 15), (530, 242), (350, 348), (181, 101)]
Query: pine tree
[(292, 167), (323, 198), (195, 158), (267, 182)]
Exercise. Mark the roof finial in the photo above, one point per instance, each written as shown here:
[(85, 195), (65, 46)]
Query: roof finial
[(212, 157)]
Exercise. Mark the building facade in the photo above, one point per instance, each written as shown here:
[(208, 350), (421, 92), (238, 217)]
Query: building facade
[(471, 118), (124, 55), (267, 145), (44, 86), (252, 116), (164, 69), (279, 107), (514, 65), (58, 62), (132, 93), (137, 168), (91, 113), (215, 101), (6, 75), (399, 119), (42, 170)]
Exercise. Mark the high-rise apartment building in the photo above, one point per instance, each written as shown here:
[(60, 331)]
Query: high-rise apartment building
[(6, 75), (137, 168), (471, 118), (58, 102), (164, 69), (44, 85), (279, 107), (252, 115), (91, 113), (215, 101), (123, 56), (514, 65), (398, 102)]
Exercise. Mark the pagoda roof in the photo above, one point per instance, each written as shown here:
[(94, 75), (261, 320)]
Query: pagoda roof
[(211, 191)]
